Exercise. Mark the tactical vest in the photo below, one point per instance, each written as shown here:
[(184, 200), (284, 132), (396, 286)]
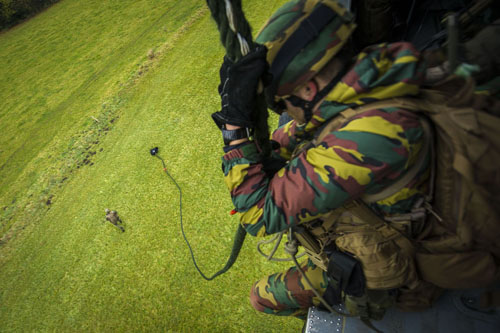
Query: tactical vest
[(457, 245)]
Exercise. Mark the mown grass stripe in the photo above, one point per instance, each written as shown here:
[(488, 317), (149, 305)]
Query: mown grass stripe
[(69, 270)]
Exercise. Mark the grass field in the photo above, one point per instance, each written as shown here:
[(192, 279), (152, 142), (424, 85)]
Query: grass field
[(88, 87)]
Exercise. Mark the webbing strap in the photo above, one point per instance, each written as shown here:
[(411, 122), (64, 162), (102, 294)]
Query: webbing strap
[(307, 31), (349, 113), (464, 167), (368, 323), (359, 209), (363, 310), (490, 298)]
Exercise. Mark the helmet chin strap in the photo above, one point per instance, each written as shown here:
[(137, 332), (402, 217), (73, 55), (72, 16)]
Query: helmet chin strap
[(308, 106), (305, 105)]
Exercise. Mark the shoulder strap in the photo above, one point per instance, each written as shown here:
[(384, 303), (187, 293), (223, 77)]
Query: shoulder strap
[(348, 114)]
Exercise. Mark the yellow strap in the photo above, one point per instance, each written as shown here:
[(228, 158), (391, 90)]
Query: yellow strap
[(363, 212), (348, 114), (463, 166)]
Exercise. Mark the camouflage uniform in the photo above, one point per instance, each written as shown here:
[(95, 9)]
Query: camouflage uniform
[(286, 293), (365, 155)]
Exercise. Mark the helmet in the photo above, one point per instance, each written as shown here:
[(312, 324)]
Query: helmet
[(302, 37)]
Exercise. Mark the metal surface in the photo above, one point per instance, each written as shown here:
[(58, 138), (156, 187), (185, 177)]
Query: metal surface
[(456, 311), (321, 321)]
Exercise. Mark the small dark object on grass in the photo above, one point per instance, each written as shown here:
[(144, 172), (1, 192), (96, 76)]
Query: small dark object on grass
[(112, 216)]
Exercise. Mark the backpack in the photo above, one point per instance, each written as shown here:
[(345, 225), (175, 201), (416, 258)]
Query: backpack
[(460, 245)]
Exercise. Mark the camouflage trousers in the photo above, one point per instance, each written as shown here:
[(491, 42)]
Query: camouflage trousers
[(287, 293)]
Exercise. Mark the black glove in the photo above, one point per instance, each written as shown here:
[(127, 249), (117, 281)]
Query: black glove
[(238, 88)]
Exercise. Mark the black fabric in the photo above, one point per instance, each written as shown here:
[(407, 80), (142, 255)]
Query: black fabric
[(332, 296), (345, 273), (238, 88), (271, 103), (272, 165), (307, 31)]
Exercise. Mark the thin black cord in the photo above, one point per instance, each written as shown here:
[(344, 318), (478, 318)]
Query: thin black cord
[(182, 224), (238, 242)]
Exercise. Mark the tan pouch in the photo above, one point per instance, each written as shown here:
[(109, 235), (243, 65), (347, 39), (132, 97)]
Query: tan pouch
[(384, 264), (457, 270)]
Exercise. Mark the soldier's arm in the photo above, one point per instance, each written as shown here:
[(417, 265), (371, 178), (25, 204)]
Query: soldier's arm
[(286, 137), (362, 156)]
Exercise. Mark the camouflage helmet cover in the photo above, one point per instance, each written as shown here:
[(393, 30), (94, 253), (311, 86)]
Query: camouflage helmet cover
[(326, 26)]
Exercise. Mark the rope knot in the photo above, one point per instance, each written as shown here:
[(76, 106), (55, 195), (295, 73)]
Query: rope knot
[(291, 247)]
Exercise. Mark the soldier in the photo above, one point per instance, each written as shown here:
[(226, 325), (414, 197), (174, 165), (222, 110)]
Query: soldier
[(315, 78), (331, 193), (112, 216), (330, 190)]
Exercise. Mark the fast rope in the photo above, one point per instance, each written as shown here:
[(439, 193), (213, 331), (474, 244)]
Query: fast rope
[(235, 34), (238, 239), (236, 37)]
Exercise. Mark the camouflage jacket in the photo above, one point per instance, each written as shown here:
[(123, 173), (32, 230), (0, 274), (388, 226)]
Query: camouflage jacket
[(365, 155)]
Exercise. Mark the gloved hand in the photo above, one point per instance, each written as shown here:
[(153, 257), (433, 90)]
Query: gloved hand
[(238, 88)]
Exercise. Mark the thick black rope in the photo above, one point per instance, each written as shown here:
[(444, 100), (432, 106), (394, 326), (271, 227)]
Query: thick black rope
[(232, 45), (228, 37), (233, 51)]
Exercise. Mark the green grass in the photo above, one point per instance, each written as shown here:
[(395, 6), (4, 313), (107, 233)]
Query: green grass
[(62, 268)]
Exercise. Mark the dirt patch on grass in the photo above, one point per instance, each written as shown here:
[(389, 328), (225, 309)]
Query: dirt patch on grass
[(81, 152)]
